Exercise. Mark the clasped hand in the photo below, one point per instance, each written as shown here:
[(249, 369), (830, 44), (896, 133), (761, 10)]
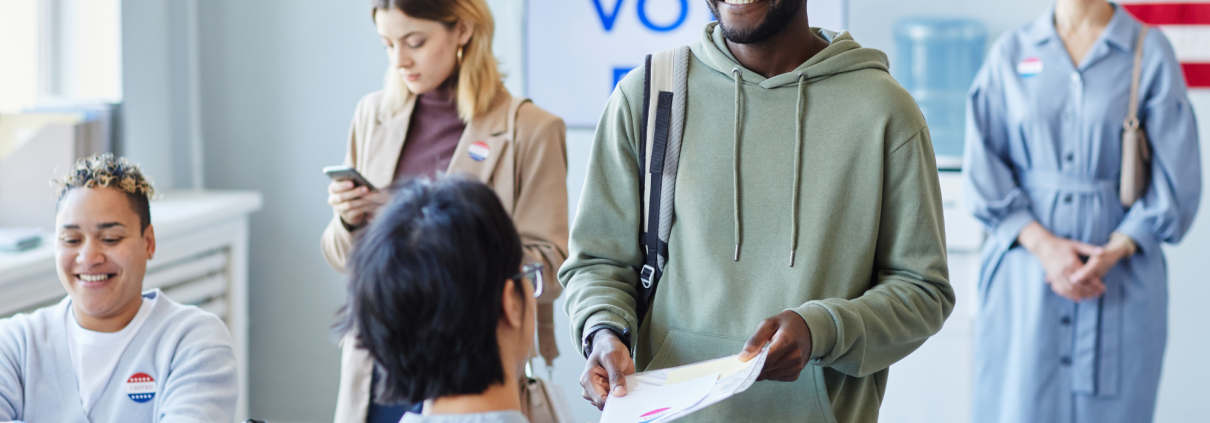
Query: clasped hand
[(787, 335), (1068, 274)]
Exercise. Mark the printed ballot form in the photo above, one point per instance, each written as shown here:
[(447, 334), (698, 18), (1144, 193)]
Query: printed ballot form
[(668, 394)]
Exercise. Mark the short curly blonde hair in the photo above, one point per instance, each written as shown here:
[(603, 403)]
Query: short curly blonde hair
[(106, 171)]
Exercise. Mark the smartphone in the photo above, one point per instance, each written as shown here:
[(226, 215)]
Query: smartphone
[(345, 173)]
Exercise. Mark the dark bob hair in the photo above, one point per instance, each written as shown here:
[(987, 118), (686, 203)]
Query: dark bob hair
[(426, 282)]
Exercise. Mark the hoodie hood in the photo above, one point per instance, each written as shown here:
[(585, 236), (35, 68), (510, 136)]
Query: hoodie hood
[(843, 54)]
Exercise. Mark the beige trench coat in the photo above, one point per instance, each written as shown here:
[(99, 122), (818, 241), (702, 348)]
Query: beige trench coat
[(528, 171)]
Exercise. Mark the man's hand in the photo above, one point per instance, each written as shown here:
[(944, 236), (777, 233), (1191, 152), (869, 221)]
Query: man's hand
[(789, 341), (607, 368), (1061, 259)]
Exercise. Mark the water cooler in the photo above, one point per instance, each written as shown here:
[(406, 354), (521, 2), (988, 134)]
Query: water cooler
[(937, 61)]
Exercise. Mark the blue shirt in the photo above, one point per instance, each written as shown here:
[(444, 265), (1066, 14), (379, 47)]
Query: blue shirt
[(1043, 143)]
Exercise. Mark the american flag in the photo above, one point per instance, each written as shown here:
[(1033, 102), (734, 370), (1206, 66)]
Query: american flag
[(1187, 26)]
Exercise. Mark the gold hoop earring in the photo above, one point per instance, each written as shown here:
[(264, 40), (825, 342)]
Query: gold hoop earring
[(459, 55)]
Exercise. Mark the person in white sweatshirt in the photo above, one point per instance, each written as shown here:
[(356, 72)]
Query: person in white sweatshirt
[(110, 351)]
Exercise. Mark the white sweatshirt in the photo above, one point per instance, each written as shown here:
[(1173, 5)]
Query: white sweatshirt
[(179, 367)]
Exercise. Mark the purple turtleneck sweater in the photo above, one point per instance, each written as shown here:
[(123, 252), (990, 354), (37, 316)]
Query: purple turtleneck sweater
[(433, 134)]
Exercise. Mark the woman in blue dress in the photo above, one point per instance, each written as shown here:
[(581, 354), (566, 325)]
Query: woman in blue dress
[(1073, 286)]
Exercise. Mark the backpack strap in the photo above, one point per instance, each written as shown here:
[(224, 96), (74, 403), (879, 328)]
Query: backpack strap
[(665, 86)]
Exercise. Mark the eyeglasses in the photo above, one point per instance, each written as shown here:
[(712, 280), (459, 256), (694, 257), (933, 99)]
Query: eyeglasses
[(533, 273)]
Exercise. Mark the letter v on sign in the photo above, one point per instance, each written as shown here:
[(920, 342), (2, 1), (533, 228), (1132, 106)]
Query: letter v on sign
[(607, 19)]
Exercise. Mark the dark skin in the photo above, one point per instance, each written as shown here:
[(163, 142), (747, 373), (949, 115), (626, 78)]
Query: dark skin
[(779, 54), (786, 334)]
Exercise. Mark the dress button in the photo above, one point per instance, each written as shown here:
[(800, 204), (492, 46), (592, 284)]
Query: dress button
[(1067, 198), (1070, 157), (1075, 77), (1066, 320), (1065, 360)]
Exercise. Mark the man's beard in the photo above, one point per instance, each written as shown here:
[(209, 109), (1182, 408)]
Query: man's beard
[(776, 19)]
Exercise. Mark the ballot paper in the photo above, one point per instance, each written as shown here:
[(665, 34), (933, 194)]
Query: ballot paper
[(665, 395)]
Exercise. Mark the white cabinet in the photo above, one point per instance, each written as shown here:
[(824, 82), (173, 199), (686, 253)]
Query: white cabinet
[(933, 384), (201, 259)]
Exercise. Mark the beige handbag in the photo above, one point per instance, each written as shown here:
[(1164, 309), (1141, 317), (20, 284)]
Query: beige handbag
[(1136, 152), (544, 402)]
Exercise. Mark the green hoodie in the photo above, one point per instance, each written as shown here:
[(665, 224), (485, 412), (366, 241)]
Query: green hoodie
[(870, 276)]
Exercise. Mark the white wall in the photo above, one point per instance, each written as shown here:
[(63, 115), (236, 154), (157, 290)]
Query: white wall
[(280, 80), (279, 83), (146, 75)]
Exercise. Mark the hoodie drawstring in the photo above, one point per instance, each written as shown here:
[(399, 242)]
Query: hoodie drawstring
[(735, 159), (798, 118), (798, 142)]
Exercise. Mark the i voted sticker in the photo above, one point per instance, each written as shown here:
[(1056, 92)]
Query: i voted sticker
[(140, 387), (479, 151), (1029, 67)]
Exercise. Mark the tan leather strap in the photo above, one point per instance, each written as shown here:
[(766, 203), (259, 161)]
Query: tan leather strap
[(1132, 115), (547, 346), (511, 126)]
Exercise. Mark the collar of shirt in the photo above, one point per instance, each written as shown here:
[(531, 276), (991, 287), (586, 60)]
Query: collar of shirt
[(1120, 32)]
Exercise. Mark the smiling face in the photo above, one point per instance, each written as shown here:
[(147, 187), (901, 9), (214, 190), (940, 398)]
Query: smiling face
[(102, 256), (425, 52), (754, 21)]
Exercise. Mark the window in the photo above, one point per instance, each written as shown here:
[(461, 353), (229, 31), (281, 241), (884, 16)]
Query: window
[(59, 51), (19, 54)]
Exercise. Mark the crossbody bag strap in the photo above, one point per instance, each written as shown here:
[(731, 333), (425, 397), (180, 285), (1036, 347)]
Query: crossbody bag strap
[(511, 124), (547, 346), (1132, 114)]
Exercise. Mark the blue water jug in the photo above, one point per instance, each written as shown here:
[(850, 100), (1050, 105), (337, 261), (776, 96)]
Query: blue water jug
[(937, 61)]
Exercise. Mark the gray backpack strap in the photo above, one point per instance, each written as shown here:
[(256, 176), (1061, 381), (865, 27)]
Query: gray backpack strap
[(665, 87)]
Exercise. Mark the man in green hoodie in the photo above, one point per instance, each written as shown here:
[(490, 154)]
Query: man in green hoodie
[(833, 257)]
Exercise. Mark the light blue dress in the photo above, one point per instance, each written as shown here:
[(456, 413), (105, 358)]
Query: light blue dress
[(1043, 143)]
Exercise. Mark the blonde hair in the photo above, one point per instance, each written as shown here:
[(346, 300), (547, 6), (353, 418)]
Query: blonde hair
[(478, 73), (106, 171)]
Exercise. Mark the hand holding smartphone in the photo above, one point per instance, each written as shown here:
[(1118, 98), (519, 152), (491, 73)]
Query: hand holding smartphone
[(345, 173), (352, 196)]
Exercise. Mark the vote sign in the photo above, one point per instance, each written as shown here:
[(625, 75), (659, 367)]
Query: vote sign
[(577, 50)]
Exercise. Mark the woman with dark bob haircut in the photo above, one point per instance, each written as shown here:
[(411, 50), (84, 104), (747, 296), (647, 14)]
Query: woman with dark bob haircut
[(439, 298)]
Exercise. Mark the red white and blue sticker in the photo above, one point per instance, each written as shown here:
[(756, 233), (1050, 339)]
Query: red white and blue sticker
[(654, 414), (140, 387), (479, 151), (1029, 67)]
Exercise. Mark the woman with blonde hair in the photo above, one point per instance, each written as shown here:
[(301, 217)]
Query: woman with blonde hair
[(444, 109)]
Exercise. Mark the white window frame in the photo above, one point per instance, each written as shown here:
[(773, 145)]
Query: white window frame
[(55, 54)]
